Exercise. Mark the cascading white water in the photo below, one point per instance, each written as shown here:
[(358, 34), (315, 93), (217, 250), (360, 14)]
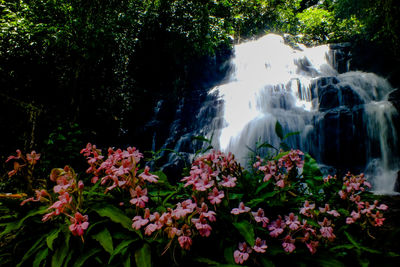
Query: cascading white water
[(271, 81)]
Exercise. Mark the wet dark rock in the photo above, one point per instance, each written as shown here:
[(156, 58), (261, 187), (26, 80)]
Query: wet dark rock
[(394, 97), (174, 167), (342, 56), (331, 94), (397, 184), (339, 135)]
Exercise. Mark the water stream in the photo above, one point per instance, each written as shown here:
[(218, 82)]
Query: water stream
[(344, 118)]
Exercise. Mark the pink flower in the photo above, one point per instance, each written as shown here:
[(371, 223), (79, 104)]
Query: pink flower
[(292, 221), (382, 207), (379, 221), (19, 154), (288, 244), (260, 245), (185, 242), (280, 183), (150, 228), (329, 211), (216, 196), (242, 254), (312, 246), (148, 176), (307, 208), (305, 226), (87, 150), (139, 197), (204, 229), (32, 157), (328, 178), (138, 222), (276, 227), (17, 167), (81, 185), (242, 209), (183, 208), (210, 215), (40, 194), (79, 224), (60, 205), (48, 216), (259, 217), (326, 230), (333, 213), (228, 181)]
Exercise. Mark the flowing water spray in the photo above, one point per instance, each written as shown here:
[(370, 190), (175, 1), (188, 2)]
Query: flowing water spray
[(272, 81)]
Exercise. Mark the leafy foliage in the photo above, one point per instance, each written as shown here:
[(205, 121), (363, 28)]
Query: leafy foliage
[(282, 210)]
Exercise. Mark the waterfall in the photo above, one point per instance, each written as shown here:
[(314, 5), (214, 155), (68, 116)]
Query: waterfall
[(344, 119)]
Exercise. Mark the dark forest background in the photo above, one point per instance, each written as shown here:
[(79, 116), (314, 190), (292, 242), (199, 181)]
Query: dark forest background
[(94, 70)]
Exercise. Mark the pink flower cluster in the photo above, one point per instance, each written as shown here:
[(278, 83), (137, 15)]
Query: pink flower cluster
[(120, 170), (280, 169), (353, 185), (210, 175), (30, 159), (67, 186), (214, 169), (183, 222), (289, 227)]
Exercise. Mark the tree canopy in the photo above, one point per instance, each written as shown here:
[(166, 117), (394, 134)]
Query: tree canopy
[(98, 63)]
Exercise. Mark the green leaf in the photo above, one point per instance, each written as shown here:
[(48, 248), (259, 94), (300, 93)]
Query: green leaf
[(143, 256), (266, 145), (290, 134), (254, 202), (68, 258), (284, 146), (127, 262), (311, 169), (329, 262), (344, 212), (105, 240), (206, 260), (123, 245), (229, 265), (16, 225), (168, 197), (346, 246), (266, 262), (278, 130), (116, 215), (351, 239), (261, 187), (313, 223), (201, 138), (370, 250), (228, 255), (51, 237), (235, 196), (393, 254), (40, 256), (246, 230), (60, 254), (84, 256), (35, 247)]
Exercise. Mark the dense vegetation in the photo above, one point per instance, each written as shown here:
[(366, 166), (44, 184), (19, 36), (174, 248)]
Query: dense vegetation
[(281, 211), (96, 63), (93, 70)]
